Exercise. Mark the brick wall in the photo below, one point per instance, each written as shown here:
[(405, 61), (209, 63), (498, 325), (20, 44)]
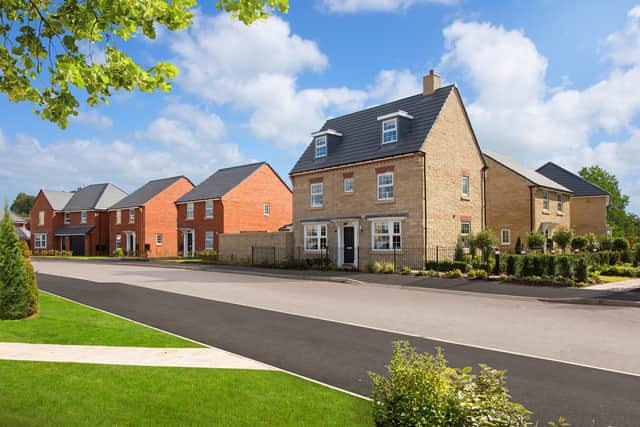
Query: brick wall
[(52, 220), (98, 236), (200, 224), (125, 227), (239, 246), (589, 215)]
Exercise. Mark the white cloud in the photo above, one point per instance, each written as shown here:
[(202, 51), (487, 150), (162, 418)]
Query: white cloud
[(395, 84), (255, 69), (92, 119), (94, 52), (623, 47), (351, 6)]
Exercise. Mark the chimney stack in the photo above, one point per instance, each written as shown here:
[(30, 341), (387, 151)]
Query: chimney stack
[(430, 83)]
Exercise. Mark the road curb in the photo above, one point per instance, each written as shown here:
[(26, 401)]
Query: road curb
[(593, 301)]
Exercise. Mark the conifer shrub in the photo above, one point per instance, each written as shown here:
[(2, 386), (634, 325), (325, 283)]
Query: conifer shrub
[(14, 283), (34, 294)]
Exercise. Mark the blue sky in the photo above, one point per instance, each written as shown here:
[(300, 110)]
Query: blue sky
[(542, 80)]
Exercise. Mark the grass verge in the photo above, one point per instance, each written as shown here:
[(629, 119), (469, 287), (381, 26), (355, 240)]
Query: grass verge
[(612, 279), (65, 322), (82, 394)]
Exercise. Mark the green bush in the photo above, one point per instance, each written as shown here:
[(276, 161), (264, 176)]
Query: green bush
[(579, 243), (538, 266), (34, 293), (621, 271), (459, 254), (15, 295), (620, 244), (118, 253), (512, 265), (606, 243), (455, 274), (373, 267), (582, 271), (406, 270), (387, 267), (481, 274), (536, 240), (527, 266), (562, 237), (550, 269), (592, 242), (626, 256), (447, 266), (486, 241), (462, 266), (421, 390), (565, 269)]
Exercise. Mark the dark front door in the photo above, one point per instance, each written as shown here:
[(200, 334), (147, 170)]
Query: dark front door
[(189, 244), (349, 245), (77, 245)]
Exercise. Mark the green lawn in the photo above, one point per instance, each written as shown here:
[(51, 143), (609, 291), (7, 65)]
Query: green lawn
[(38, 393), (64, 322), (611, 279)]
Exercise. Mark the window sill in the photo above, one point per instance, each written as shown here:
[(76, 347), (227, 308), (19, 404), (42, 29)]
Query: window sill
[(465, 198), (206, 217), (560, 213), (347, 193), (316, 208), (545, 212), (385, 250), (386, 201)]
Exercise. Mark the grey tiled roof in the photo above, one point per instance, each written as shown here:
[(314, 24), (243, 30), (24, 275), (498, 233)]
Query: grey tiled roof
[(529, 174), (362, 133), (575, 183), (220, 183), (17, 219), (73, 230), (23, 233), (57, 199), (145, 193), (94, 197)]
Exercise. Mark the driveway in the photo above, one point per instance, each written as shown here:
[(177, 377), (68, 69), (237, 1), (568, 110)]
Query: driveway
[(341, 355)]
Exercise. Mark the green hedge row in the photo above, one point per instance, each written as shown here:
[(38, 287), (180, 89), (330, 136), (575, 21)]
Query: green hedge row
[(565, 266)]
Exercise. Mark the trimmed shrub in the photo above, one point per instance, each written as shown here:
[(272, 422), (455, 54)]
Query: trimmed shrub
[(565, 269), (620, 244), (512, 265), (34, 293), (621, 271), (527, 266), (15, 295), (550, 268), (455, 274), (536, 240), (579, 243), (562, 237), (447, 266), (421, 390), (538, 266), (462, 266), (486, 241), (482, 274), (582, 271), (374, 267), (459, 254)]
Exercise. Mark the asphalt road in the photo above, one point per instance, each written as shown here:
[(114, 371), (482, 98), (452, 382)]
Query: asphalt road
[(341, 355)]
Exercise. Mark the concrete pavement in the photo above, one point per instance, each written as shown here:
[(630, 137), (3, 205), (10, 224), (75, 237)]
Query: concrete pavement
[(341, 354)]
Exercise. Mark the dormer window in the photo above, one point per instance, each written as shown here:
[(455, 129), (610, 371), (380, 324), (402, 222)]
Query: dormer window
[(321, 146), (390, 131)]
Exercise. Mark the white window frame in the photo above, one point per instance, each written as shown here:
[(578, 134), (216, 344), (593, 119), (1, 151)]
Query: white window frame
[(67, 218), (391, 185), (84, 217), (40, 240), (266, 209), (159, 239), (118, 241), (209, 243), (545, 200), (393, 130), (560, 203), (466, 235), (317, 238), (132, 215), (465, 185), (321, 146), (314, 193), (41, 218), (190, 210), (348, 188), (208, 209), (118, 217), (391, 234), (507, 232)]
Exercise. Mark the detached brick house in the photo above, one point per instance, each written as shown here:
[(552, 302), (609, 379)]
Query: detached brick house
[(241, 199), (520, 200), (76, 222), (408, 174), (588, 204), (144, 223)]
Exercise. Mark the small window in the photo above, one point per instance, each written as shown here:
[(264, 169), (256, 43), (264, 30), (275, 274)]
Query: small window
[(545, 200), (317, 198), (208, 209), (189, 210), (389, 131), (118, 217), (465, 186), (386, 235), (315, 237), (40, 240), (560, 204), (385, 186), (321, 146), (266, 209), (67, 218), (505, 236), (208, 240), (118, 241), (83, 217), (41, 218), (159, 239), (348, 185), (132, 216), (465, 233)]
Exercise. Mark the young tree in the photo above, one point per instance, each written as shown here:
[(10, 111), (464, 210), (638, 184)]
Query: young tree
[(536, 240), (42, 39), (23, 203), (34, 293), (486, 241), (459, 253), (579, 243), (14, 286), (563, 237)]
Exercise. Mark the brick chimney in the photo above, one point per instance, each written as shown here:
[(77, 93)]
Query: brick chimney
[(430, 83)]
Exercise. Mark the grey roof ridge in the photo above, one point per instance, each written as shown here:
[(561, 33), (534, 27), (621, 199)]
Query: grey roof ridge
[(561, 187), (574, 174), (241, 166)]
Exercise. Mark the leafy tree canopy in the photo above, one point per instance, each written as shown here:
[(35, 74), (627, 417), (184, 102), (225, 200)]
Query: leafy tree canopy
[(23, 203), (43, 55)]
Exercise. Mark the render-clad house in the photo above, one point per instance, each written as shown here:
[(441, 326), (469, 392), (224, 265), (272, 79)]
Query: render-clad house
[(588, 203), (74, 221), (408, 174), (21, 225), (144, 223), (240, 199), (520, 200)]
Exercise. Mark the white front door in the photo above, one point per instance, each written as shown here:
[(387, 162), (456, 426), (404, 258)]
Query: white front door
[(188, 243)]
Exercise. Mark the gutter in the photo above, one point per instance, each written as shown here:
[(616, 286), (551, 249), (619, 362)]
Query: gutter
[(531, 208), (424, 195)]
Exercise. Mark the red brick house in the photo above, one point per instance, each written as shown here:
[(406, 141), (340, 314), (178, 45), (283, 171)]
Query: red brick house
[(144, 223), (21, 224), (81, 225), (239, 199)]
